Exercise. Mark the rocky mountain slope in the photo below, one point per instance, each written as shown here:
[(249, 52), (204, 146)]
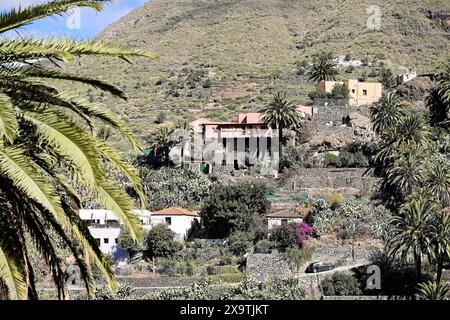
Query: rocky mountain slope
[(222, 56)]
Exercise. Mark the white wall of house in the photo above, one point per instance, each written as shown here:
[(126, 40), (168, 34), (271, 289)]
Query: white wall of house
[(178, 224), (106, 237), (274, 222)]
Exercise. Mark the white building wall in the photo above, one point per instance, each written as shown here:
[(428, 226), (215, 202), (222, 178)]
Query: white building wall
[(106, 233), (274, 222), (180, 224)]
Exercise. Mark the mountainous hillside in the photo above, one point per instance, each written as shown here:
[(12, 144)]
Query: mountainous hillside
[(222, 56)]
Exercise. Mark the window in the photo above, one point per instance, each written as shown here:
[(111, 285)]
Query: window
[(117, 241), (98, 241), (284, 221), (168, 220), (269, 146), (364, 92), (105, 240), (353, 91)]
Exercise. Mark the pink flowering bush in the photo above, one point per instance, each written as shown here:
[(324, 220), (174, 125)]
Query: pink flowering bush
[(291, 234)]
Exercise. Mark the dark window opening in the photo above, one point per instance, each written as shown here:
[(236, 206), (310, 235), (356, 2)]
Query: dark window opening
[(364, 92), (168, 220), (105, 240)]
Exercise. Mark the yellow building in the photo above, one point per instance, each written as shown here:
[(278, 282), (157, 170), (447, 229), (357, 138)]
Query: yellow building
[(360, 92)]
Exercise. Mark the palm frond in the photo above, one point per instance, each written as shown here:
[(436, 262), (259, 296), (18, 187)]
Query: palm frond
[(12, 276), (15, 18), (15, 165), (8, 121)]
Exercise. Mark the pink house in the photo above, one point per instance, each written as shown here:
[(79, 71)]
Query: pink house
[(244, 141)]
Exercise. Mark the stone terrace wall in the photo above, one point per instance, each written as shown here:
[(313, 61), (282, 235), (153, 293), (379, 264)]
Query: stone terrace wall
[(330, 178), (267, 265)]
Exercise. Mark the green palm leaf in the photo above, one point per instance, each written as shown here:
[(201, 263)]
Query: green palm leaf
[(11, 275), (8, 121), (15, 165), (15, 18)]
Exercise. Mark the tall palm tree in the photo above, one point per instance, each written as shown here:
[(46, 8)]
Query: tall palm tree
[(406, 173), (162, 141), (387, 112), (323, 69), (439, 235), (409, 229), (437, 182), (281, 114), (438, 101), (46, 153)]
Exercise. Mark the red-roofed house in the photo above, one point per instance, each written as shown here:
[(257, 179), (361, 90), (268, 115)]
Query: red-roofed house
[(178, 220)]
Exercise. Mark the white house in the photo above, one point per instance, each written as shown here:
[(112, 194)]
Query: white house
[(105, 227), (403, 78), (281, 217), (179, 221)]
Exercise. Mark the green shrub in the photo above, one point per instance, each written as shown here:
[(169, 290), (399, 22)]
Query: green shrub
[(212, 270), (293, 157), (264, 246), (332, 160), (335, 200), (240, 243), (341, 284), (232, 268), (223, 215), (339, 91), (225, 260), (159, 242), (174, 268), (228, 277)]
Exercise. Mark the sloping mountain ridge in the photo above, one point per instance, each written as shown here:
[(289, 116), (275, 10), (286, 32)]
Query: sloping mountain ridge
[(221, 56)]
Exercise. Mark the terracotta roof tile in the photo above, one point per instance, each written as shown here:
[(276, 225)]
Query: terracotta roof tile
[(175, 211)]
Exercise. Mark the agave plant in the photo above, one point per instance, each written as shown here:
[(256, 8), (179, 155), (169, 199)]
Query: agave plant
[(47, 152), (433, 291)]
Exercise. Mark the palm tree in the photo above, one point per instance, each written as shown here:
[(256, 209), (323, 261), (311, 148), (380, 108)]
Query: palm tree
[(162, 141), (437, 182), (387, 78), (406, 173), (46, 154), (387, 112), (439, 235), (409, 229), (281, 114), (323, 69), (438, 101), (433, 291)]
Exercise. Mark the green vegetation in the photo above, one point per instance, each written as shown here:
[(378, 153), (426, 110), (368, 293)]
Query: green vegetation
[(248, 289), (415, 172), (323, 69), (47, 153), (159, 242), (341, 284), (281, 114), (127, 243), (433, 291), (185, 188), (234, 207)]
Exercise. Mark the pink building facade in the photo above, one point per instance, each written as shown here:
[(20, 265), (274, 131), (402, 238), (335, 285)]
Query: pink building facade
[(240, 143)]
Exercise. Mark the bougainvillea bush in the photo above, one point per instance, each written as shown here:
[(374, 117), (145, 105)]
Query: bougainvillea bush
[(291, 234)]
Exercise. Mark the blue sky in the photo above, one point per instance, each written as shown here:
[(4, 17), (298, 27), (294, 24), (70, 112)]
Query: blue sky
[(84, 24)]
